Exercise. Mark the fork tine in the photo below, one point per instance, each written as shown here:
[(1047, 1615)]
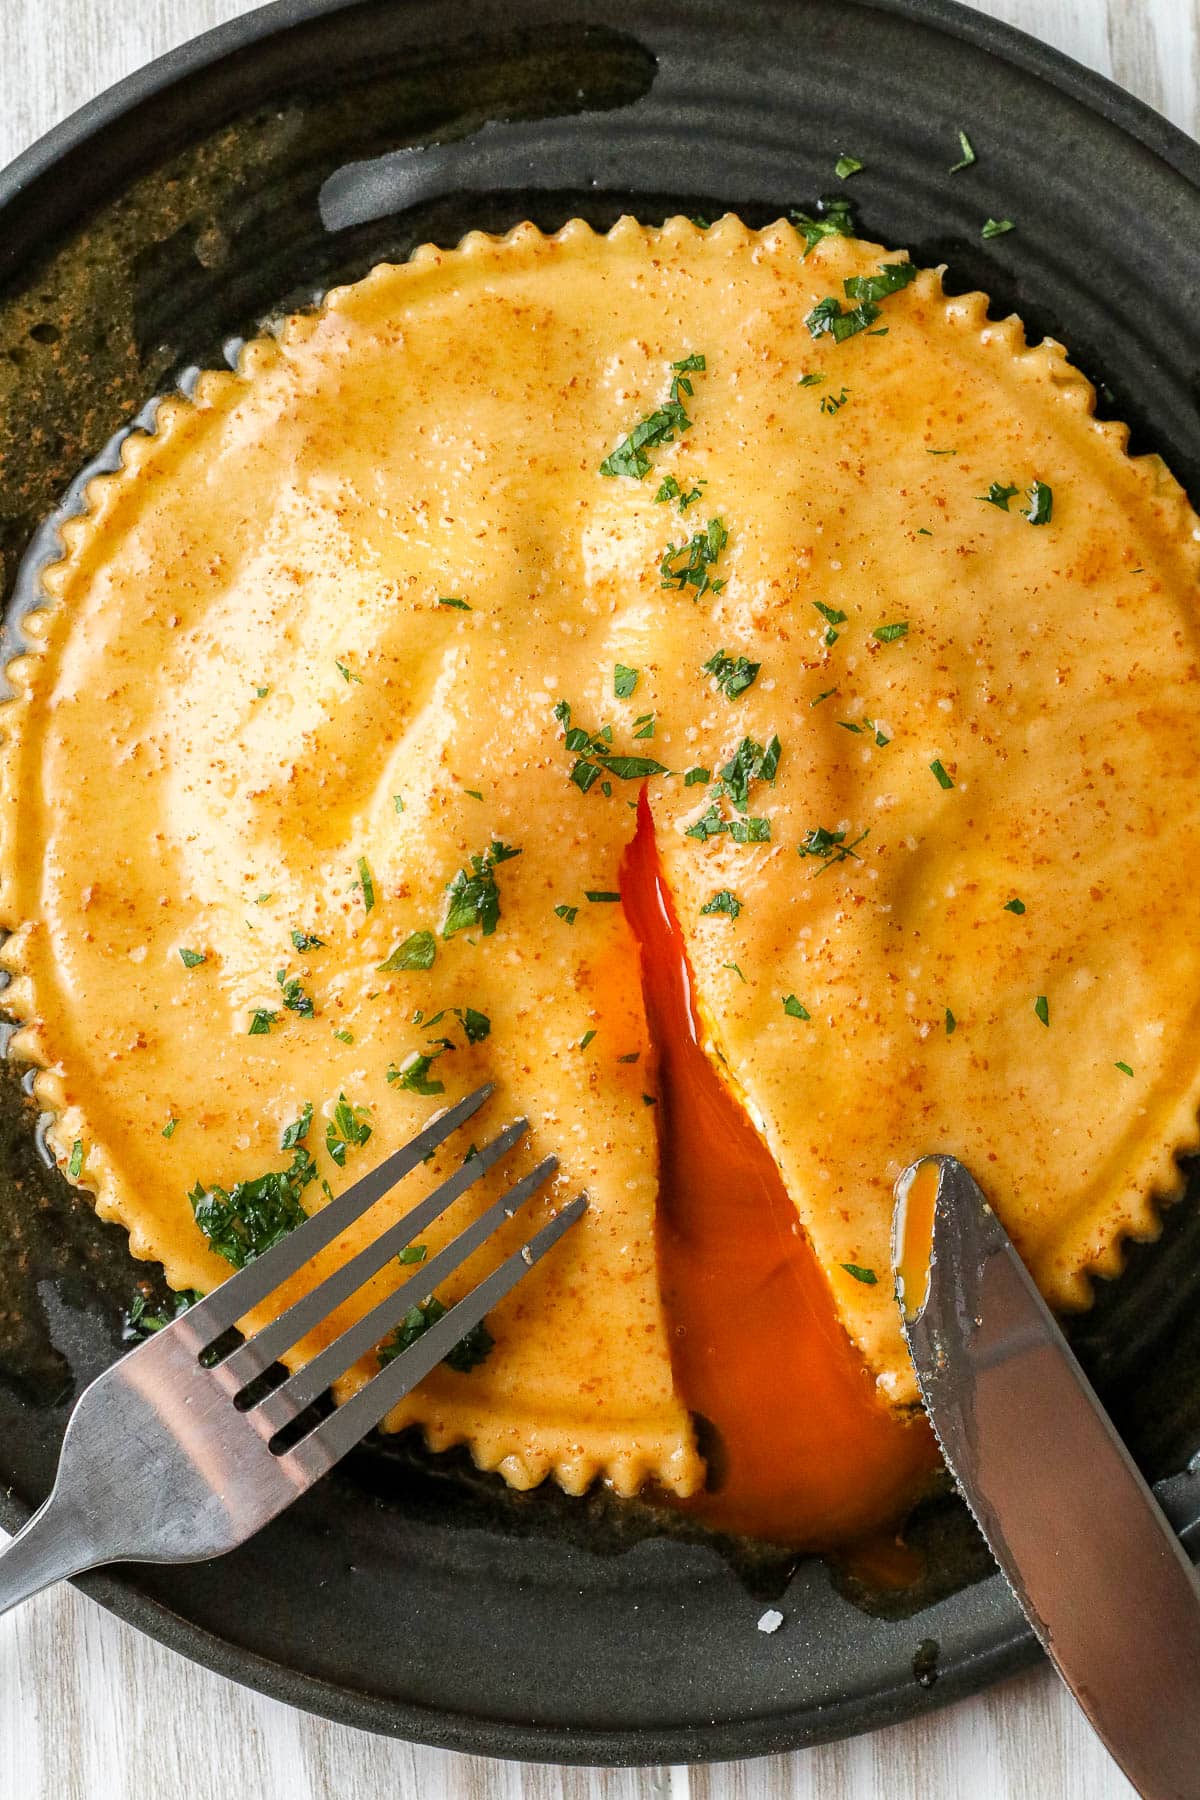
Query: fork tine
[(291, 1397), (329, 1441), (249, 1286), (267, 1345)]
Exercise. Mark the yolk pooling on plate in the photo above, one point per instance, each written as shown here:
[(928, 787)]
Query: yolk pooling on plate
[(801, 1449)]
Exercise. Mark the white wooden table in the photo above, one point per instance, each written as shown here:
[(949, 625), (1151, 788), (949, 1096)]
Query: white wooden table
[(90, 1709)]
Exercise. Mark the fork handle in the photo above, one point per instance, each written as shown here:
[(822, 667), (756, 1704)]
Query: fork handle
[(49, 1547)]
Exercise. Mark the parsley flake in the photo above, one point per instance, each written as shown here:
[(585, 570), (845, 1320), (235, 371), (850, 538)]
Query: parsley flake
[(346, 673), (169, 1128), (697, 777), (416, 952), (687, 565), (828, 317), (75, 1165), (474, 895), (832, 403), (845, 166), (723, 901), (999, 494), (830, 846), (413, 1073), (1124, 1068), (366, 882), (1014, 906), (1042, 1009), (888, 634), (939, 774), (294, 996), (347, 1129), (732, 676), (795, 1009), (472, 1348), (261, 1022), (968, 154), (625, 680), (1041, 504), (599, 896), (586, 1039), (454, 600), (951, 1023), (994, 228), (191, 959), (660, 427), (868, 1277), (304, 940), (835, 220), (569, 913)]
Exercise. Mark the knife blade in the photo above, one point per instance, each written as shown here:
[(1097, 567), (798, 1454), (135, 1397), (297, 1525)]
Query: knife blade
[(1090, 1556)]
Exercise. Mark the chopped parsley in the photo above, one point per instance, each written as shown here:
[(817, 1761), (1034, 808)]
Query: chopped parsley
[(828, 317), (1124, 1068), (732, 676), (832, 403), (569, 913), (294, 996), (723, 902), (868, 1277), (828, 694), (1014, 906), (474, 896), (845, 166), (968, 154), (1041, 504), (830, 846), (413, 1073), (454, 600), (999, 494), (472, 1348), (304, 940), (347, 1129), (795, 1009), (835, 220), (261, 1022), (832, 616), (413, 1253), (625, 680), (253, 1216), (346, 673), (687, 565), (810, 380), (398, 803), (859, 726), (630, 456), (416, 952), (75, 1165), (939, 774), (191, 959), (994, 228), (697, 777), (735, 969), (669, 489), (140, 1323), (599, 896), (344, 1037), (1042, 1008), (586, 1039), (888, 634), (297, 1131), (594, 756), (169, 1128), (951, 1023), (366, 883), (750, 763), (477, 1025)]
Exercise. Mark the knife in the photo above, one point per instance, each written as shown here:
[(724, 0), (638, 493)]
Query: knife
[(1093, 1562)]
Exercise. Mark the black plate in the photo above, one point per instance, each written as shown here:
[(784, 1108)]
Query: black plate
[(173, 214)]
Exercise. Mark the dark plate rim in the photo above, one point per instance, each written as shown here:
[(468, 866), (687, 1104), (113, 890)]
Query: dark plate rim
[(470, 1733)]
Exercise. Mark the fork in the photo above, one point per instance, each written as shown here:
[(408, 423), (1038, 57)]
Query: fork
[(168, 1458)]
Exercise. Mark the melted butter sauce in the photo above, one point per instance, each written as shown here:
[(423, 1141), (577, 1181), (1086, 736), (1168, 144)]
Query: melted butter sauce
[(801, 1452)]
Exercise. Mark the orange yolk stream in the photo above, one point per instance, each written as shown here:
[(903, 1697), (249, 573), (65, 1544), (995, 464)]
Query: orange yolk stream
[(918, 1205), (803, 1453)]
